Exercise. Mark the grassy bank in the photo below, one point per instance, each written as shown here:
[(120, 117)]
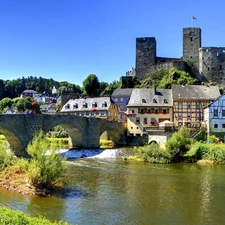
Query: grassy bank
[(15, 217)]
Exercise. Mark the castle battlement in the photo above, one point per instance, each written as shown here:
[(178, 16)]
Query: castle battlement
[(208, 63)]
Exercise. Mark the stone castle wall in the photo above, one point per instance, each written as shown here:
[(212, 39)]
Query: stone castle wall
[(207, 64)]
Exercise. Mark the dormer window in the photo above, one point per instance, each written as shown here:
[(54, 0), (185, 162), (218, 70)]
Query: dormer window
[(85, 105), (154, 101), (94, 105), (104, 104), (165, 100), (75, 106), (143, 100), (67, 106)]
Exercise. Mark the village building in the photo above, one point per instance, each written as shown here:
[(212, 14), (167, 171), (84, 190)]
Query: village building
[(121, 97), (214, 118), (28, 93), (147, 108), (102, 107), (189, 102)]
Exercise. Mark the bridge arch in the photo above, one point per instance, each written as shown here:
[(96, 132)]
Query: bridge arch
[(14, 141), (75, 134)]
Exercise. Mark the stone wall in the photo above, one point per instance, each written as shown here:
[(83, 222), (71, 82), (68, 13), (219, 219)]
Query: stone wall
[(84, 132), (212, 65)]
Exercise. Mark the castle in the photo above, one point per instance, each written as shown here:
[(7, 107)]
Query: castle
[(207, 64)]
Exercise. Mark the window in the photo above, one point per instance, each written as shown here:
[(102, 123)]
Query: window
[(215, 112), (109, 114), (143, 101), (104, 104), (189, 116), (156, 111), (152, 120), (137, 120), (179, 105), (197, 116), (94, 105), (121, 99), (164, 111), (102, 113), (92, 114), (83, 113), (197, 105), (67, 106), (215, 125), (154, 101), (141, 111), (165, 100), (189, 105), (223, 112), (85, 105), (145, 120), (116, 99), (180, 116), (75, 106), (75, 114), (223, 125)]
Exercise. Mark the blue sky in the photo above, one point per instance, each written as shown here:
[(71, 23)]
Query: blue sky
[(67, 40)]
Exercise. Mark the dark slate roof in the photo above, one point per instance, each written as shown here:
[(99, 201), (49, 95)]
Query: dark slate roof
[(29, 91), (146, 97), (80, 102), (195, 92), (122, 92)]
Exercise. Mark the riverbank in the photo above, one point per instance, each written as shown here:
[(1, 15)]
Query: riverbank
[(18, 181)]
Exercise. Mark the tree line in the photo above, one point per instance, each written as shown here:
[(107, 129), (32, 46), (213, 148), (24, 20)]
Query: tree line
[(92, 87)]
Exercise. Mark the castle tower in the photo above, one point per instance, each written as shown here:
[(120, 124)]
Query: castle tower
[(191, 45), (145, 56)]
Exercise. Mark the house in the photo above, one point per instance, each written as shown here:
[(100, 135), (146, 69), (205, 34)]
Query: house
[(189, 102), (147, 108), (102, 107), (214, 117), (28, 93), (121, 97)]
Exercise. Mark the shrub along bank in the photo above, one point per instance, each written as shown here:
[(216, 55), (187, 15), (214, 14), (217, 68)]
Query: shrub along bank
[(41, 174), (9, 217), (181, 148)]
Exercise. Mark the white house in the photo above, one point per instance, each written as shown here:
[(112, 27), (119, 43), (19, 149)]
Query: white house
[(214, 117)]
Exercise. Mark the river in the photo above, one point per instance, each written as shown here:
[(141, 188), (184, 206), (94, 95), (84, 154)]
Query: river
[(105, 190)]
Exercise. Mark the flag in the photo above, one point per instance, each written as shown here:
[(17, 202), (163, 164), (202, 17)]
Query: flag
[(194, 18)]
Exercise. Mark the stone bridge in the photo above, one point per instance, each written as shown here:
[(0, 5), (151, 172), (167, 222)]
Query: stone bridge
[(19, 129)]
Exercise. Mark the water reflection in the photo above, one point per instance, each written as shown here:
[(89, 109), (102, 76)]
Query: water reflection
[(116, 192)]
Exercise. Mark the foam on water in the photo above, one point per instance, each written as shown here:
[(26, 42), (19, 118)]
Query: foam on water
[(93, 153)]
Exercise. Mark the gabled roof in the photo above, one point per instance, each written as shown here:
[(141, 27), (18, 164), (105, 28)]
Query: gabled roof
[(151, 97), (97, 103), (214, 101), (122, 92), (195, 92)]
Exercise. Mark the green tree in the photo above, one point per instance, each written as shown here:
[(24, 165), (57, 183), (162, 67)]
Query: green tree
[(5, 104), (179, 143), (91, 85), (45, 170)]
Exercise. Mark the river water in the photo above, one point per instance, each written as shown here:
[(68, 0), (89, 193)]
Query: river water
[(105, 190)]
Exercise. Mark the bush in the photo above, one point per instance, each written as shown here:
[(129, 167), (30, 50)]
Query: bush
[(45, 170), (6, 157), (153, 153), (9, 216), (179, 144)]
